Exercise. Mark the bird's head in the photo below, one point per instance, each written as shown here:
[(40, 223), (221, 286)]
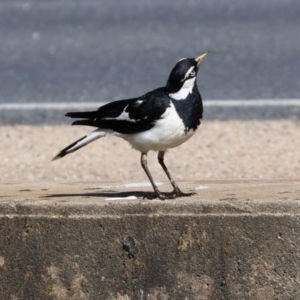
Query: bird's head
[(183, 77)]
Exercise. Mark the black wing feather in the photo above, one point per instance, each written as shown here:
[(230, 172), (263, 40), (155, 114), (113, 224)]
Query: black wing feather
[(142, 112), (112, 110)]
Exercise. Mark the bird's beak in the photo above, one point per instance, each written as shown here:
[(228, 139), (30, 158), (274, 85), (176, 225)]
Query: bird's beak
[(200, 58)]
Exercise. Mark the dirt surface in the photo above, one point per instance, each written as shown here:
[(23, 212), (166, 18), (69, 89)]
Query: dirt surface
[(219, 150)]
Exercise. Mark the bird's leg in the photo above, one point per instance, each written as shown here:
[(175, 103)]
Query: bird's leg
[(177, 190), (145, 167)]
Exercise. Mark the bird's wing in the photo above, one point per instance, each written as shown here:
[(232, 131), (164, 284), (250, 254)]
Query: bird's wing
[(126, 116)]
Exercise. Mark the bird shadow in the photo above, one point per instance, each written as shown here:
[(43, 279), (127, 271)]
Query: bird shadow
[(110, 194)]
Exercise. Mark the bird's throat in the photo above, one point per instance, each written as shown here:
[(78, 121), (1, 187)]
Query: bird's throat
[(186, 89)]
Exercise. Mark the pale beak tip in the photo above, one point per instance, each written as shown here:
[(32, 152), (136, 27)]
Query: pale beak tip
[(200, 58)]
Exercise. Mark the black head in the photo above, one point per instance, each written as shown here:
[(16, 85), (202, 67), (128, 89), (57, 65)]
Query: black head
[(184, 74)]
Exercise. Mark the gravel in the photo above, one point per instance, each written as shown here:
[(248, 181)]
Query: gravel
[(219, 150)]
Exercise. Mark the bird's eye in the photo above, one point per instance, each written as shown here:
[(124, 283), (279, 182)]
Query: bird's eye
[(192, 74)]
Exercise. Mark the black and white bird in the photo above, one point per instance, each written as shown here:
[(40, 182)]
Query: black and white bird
[(161, 119)]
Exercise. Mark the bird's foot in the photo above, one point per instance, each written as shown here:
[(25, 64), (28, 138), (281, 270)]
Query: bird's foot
[(173, 195), (179, 193)]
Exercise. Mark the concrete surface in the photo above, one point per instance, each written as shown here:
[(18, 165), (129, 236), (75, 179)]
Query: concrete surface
[(234, 240)]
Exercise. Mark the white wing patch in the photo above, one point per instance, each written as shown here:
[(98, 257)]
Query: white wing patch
[(124, 116), (185, 90)]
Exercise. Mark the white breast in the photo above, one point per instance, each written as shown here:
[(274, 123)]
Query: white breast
[(168, 132)]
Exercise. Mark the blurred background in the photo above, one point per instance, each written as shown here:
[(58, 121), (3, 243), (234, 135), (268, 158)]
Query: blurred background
[(60, 55), (99, 51)]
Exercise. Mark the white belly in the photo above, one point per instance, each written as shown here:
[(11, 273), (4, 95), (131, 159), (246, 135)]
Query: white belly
[(168, 132)]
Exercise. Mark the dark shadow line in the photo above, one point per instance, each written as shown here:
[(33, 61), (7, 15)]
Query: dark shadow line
[(137, 194)]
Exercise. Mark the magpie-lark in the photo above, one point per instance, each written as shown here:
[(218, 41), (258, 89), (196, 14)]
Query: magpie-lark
[(161, 119)]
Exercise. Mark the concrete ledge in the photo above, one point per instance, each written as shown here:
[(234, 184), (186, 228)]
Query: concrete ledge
[(234, 240)]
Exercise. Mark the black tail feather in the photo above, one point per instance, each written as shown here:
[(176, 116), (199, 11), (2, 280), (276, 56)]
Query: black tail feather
[(82, 115), (84, 122), (87, 116), (94, 135), (65, 151)]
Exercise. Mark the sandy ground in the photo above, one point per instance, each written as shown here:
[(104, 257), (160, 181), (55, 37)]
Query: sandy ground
[(219, 150)]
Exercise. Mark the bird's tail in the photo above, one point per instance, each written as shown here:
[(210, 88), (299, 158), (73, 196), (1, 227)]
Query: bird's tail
[(80, 143)]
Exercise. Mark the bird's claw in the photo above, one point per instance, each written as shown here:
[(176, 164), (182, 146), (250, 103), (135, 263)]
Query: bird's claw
[(173, 195), (179, 193)]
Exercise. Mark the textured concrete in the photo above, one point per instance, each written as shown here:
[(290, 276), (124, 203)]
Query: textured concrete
[(233, 240)]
